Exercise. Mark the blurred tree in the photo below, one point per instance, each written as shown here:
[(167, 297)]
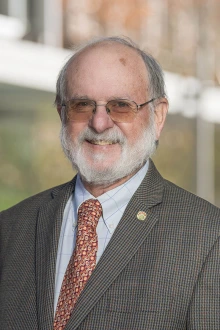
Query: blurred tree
[(167, 28)]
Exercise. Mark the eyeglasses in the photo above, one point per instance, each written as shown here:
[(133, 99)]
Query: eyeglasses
[(119, 110)]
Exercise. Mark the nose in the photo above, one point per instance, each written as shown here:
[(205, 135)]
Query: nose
[(100, 120)]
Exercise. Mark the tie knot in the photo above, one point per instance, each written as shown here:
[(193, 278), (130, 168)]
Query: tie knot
[(89, 212)]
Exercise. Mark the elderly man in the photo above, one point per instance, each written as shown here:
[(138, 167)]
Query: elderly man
[(118, 247)]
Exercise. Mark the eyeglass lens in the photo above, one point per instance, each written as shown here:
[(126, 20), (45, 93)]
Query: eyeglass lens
[(81, 110)]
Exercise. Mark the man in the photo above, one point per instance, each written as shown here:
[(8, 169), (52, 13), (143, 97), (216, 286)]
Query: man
[(152, 262)]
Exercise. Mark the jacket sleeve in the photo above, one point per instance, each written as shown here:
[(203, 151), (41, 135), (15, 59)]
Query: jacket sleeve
[(204, 309)]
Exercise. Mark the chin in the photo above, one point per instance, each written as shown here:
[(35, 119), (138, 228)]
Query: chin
[(98, 173), (102, 164)]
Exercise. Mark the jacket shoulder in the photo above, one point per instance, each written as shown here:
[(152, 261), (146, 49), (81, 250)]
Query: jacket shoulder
[(193, 209), (35, 201), (23, 215), (181, 194)]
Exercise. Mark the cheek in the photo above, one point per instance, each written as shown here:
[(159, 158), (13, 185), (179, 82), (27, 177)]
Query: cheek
[(129, 132), (75, 129), (133, 131)]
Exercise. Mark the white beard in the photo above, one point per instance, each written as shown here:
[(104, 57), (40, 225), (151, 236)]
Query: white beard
[(132, 157)]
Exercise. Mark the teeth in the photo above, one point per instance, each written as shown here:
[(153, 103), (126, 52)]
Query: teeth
[(102, 142)]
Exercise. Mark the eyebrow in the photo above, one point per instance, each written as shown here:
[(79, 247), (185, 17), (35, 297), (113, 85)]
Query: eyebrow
[(77, 96)]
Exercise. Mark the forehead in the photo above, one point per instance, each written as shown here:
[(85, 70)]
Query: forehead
[(105, 66)]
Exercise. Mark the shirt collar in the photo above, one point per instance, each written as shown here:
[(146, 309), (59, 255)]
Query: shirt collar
[(114, 200)]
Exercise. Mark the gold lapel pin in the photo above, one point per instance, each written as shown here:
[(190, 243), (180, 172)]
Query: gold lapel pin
[(141, 215)]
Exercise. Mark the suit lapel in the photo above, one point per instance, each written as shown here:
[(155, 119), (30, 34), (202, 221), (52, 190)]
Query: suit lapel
[(47, 238), (126, 240)]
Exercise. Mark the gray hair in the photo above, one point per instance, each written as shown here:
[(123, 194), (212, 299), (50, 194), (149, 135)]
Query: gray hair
[(155, 73)]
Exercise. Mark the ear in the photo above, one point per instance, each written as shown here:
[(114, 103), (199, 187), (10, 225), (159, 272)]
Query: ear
[(160, 113), (59, 108)]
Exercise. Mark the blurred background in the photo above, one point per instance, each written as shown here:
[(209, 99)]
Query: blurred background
[(36, 37)]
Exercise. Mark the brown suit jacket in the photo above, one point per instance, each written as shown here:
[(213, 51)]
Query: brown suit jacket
[(159, 273)]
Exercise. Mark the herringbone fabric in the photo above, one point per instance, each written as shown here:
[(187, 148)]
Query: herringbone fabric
[(81, 263)]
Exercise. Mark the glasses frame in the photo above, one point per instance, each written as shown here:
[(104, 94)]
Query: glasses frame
[(138, 106)]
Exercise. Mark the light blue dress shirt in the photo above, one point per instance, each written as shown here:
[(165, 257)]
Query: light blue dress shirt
[(113, 204)]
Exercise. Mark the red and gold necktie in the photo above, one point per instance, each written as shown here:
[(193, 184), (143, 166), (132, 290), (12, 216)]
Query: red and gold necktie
[(82, 262)]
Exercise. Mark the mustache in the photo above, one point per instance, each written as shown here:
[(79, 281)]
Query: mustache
[(113, 135)]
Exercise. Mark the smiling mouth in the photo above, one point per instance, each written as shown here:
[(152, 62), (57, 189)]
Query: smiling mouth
[(101, 142)]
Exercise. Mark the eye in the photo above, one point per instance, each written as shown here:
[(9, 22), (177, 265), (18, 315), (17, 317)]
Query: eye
[(83, 104), (121, 104)]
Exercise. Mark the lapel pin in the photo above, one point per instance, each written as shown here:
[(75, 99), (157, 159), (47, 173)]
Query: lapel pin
[(141, 215)]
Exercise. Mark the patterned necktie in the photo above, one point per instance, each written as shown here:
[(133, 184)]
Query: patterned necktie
[(82, 262)]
